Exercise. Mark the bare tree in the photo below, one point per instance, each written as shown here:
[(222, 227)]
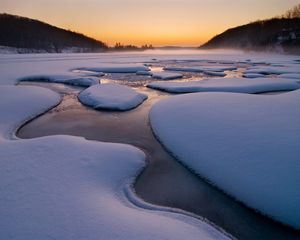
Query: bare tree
[(293, 13)]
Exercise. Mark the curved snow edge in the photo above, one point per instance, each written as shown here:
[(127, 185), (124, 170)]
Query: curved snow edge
[(191, 218)]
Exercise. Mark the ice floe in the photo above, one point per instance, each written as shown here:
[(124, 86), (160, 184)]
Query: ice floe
[(83, 81), (164, 75), (202, 68), (241, 85), (111, 97), (253, 75), (117, 68), (216, 74), (273, 70), (145, 73), (291, 76), (247, 145), (89, 73)]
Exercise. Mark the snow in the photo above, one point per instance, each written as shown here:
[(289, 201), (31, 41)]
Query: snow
[(164, 75), (291, 75), (65, 187), (19, 104), (217, 74), (202, 68), (118, 68), (84, 81), (111, 97), (66, 64), (89, 73), (246, 145), (253, 75), (241, 85), (14, 50), (145, 73), (274, 70)]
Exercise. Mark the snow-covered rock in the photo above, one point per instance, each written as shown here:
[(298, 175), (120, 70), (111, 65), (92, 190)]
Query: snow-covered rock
[(83, 81), (241, 85), (117, 68), (164, 75), (247, 145), (111, 97), (19, 104)]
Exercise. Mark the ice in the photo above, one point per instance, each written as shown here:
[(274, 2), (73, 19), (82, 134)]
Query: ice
[(202, 68), (117, 68), (60, 187), (241, 85), (84, 81), (65, 187), (291, 76), (111, 97), (89, 73), (246, 145), (273, 70), (216, 74), (164, 75), (145, 73), (253, 75)]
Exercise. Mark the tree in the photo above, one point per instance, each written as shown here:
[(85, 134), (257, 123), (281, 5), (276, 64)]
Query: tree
[(293, 13)]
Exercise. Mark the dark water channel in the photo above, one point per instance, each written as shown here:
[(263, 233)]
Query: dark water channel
[(164, 181)]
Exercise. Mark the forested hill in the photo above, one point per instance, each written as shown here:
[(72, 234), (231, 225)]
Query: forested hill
[(35, 36), (278, 34)]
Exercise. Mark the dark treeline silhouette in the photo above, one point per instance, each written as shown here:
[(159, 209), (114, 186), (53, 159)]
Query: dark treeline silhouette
[(121, 47), (280, 34), (292, 13), (28, 35), (20, 32)]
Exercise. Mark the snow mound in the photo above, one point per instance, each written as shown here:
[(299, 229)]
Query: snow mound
[(273, 70), (20, 104), (145, 73), (291, 76), (241, 85), (253, 75), (83, 81), (166, 75), (247, 145), (65, 187), (118, 68), (111, 97), (202, 68), (89, 73), (217, 74)]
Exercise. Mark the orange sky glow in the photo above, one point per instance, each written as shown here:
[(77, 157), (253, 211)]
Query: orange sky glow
[(157, 22)]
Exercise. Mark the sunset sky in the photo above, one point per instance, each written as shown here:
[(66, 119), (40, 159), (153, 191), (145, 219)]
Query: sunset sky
[(160, 22)]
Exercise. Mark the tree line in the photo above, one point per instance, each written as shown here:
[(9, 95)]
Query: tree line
[(25, 33)]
